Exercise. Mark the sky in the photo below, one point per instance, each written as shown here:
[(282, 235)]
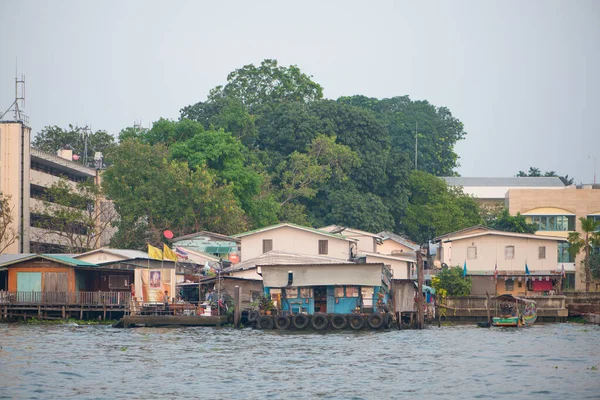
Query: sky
[(523, 76)]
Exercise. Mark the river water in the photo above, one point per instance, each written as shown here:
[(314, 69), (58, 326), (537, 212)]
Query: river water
[(555, 361)]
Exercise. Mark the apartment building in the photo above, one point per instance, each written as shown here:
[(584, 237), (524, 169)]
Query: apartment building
[(557, 213), (25, 174)]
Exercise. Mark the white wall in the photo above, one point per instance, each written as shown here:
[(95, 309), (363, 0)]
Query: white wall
[(293, 240)]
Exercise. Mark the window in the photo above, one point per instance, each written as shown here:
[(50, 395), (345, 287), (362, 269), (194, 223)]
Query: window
[(291, 293), (554, 222), (267, 245), (351, 291), (563, 253), (339, 291), (509, 285), (255, 296), (542, 252), (471, 253), (509, 252), (118, 282), (520, 284), (306, 293), (323, 247)]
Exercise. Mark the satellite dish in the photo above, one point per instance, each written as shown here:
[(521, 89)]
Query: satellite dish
[(168, 234)]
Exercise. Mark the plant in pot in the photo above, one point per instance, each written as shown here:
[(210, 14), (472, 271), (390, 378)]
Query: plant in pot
[(265, 305)]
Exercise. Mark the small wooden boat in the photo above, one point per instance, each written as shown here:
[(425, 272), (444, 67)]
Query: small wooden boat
[(514, 311)]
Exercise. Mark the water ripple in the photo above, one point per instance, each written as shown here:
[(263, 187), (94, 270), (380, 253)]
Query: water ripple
[(98, 362)]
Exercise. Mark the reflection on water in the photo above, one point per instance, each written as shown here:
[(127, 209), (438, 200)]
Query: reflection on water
[(545, 361)]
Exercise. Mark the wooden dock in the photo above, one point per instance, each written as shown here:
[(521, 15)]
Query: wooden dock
[(130, 321)]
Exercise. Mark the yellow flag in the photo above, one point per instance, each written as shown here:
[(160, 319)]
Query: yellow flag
[(154, 253), (169, 254)]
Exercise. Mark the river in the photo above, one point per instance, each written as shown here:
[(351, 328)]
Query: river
[(554, 361)]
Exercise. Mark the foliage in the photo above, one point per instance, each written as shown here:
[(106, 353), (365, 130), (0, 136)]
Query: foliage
[(265, 303), (53, 138), (595, 263), (587, 241), (152, 193), (437, 129), (535, 172), (509, 223), (452, 281), (441, 293), (434, 209), (280, 152), (8, 233), (269, 82), (72, 216)]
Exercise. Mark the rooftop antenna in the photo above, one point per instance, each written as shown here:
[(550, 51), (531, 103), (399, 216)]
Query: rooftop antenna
[(85, 133), (19, 103)]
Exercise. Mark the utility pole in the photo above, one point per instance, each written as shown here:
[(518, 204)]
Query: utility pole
[(420, 315), (416, 142)]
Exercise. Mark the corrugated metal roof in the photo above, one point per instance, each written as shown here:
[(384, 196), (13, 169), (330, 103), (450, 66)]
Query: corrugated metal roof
[(304, 228), (12, 258), (64, 259), (399, 239), (125, 253), (9, 259), (275, 257), (528, 181), (206, 233)]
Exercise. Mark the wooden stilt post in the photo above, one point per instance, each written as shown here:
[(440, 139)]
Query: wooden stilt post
[(487, 309), (420, 315), (237, 298), (104, 316), (64, 313), (81, 313)]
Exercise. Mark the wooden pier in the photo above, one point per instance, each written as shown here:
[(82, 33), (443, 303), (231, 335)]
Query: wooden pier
[(130, 321)]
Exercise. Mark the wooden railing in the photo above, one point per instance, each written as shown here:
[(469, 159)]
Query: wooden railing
[(78, 298)]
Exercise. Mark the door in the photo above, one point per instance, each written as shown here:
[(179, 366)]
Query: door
[(55, 287), (29, 287), (320, 294)]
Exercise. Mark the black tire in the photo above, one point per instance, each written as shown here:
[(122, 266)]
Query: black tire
[(338, 321), (375, 321), (300, 321), (253, 316), (282, 322), (356, 321), (319, 322), (264, 322)]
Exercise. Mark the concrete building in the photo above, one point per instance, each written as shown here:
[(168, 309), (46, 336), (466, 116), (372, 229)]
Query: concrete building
[(557, 213), (505, 254), (492, 191), (25, 174)]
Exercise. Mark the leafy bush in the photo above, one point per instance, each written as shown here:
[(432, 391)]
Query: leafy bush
[(452, 281)]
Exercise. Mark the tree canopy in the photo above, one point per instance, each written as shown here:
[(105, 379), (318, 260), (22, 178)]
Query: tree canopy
[(266, 147)]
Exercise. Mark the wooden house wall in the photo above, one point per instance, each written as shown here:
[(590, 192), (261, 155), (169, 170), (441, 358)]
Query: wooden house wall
[(44, 267)]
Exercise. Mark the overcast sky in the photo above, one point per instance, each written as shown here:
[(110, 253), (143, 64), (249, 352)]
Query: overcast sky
[(523, 76)]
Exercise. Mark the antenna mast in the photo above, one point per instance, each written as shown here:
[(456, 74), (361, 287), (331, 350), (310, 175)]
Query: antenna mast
[(19, 99)]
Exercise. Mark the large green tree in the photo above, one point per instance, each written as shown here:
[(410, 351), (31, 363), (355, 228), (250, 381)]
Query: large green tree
[(434, 209), (152, 193), (586, 241)]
